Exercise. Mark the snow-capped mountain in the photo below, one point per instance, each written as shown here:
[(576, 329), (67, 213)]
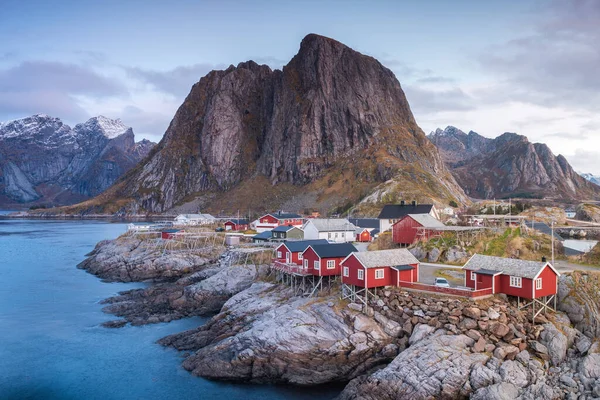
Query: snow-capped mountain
[(590, 177), (44, 161)]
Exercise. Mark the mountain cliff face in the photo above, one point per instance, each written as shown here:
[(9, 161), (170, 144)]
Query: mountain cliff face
[(332, 123), (509, 165), (43, 161)]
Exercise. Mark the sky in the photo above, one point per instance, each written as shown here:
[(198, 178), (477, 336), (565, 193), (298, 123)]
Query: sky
[(494, 66)]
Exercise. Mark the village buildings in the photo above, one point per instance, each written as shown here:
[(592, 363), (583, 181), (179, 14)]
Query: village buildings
[(406, 231), (195, 219), (367, 229), (237, 225), (271, 221), (287, 232), (325, 259), (336, 230), (392, 213)]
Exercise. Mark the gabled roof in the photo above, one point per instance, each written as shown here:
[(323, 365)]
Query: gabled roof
[(333, 250), (263, 235), (397, 211), (284, 228), (365, 222), (507, 266), (385, 258), (238, 221), (280, 215), (332, 224), (427, 220), (301, 245), (403, 267)]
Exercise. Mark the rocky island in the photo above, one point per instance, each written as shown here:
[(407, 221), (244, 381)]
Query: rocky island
[(404, 345)]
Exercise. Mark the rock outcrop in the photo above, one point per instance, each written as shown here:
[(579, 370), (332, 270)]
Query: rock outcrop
[(509, 166), (129, 259), (332, 115), (43, 161)]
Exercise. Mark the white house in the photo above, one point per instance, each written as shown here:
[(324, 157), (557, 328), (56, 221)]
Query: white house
[(570, 212), (337, 230), (194, 219), (140, 226)]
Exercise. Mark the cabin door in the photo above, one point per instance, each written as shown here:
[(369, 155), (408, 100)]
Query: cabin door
[(287, 257)]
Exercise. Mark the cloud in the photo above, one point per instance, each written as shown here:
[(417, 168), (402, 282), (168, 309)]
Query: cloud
[(585, 161), (428, 101), (177, 81), (146, 124), (557, 64), (52, 88)]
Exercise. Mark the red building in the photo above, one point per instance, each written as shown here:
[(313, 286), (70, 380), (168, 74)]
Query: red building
[(169, 233), (271, 221), (291, 252), (373, 269), (519, 278), (405, 231), (237, 225), (325, 259)]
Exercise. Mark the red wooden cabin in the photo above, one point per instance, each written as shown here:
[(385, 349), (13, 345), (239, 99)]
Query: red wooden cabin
[(169, 233), (325, 259), (291, 252), (237, 225), (271, 221), (372, 269), (405, 230), (519, 278)]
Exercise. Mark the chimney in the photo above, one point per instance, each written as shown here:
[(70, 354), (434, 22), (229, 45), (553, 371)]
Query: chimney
[(544, 259), (402, 202), (414, 203)]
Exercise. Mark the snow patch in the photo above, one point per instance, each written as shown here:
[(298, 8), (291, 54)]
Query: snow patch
[(110, 128)]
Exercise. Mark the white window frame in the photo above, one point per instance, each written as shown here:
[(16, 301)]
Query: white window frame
[(330, 264), (516, 282), (317, 264), (380, 273), (473, 275), (361, 274), (328, 235), (300, 256), (305, 263), (346, 271), (279, 254), (538, 284)]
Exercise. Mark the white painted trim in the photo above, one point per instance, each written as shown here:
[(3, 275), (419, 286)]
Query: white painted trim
[(547, 265), (493, 284), (517, 278), (382, 270), (358, 275)]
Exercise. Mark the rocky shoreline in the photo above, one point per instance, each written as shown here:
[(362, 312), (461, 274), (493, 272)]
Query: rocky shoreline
[(404, 345)]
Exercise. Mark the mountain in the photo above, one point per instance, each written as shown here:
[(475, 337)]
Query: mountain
[(323, 132), (45, 162), (590, 177), (509, 166)]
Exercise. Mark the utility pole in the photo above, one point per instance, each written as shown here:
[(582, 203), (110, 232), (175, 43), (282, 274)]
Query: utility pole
[(552, 225)]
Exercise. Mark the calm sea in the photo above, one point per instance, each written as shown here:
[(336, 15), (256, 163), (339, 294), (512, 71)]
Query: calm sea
[(52, 345)]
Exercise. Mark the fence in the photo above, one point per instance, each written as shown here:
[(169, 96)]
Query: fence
[(290, 268), (445, 290)]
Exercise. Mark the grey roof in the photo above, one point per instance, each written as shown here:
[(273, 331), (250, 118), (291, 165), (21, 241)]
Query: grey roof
[(333, 249), (397, 211), (365, 222), (427, 220), (284, 228), (333, 224), (280, 215), (266, 235), (403, 267), (385, 258), (238, 221), (487, 272), (508, 266), (302, 245)]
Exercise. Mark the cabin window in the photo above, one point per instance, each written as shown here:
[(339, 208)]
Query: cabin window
[(300, 256), (330, 264), (472, 275), (515, 281), (538, 283), (278, 254), (317, 264), (361, 274), (336, 235), (305, 264), (329, 235), (379, 273), (346, 271)]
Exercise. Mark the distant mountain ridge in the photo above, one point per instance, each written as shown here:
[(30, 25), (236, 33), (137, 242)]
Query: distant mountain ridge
[(591, 177), (323, 132), (46, 162), (509, 166)]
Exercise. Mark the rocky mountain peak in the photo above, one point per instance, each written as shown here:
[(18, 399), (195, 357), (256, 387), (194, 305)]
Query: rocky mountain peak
[(509, 166), (328, 106), (110, 128), (37, 125)]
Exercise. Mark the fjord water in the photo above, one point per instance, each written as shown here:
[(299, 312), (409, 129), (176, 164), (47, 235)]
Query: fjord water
[(52, 345)]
